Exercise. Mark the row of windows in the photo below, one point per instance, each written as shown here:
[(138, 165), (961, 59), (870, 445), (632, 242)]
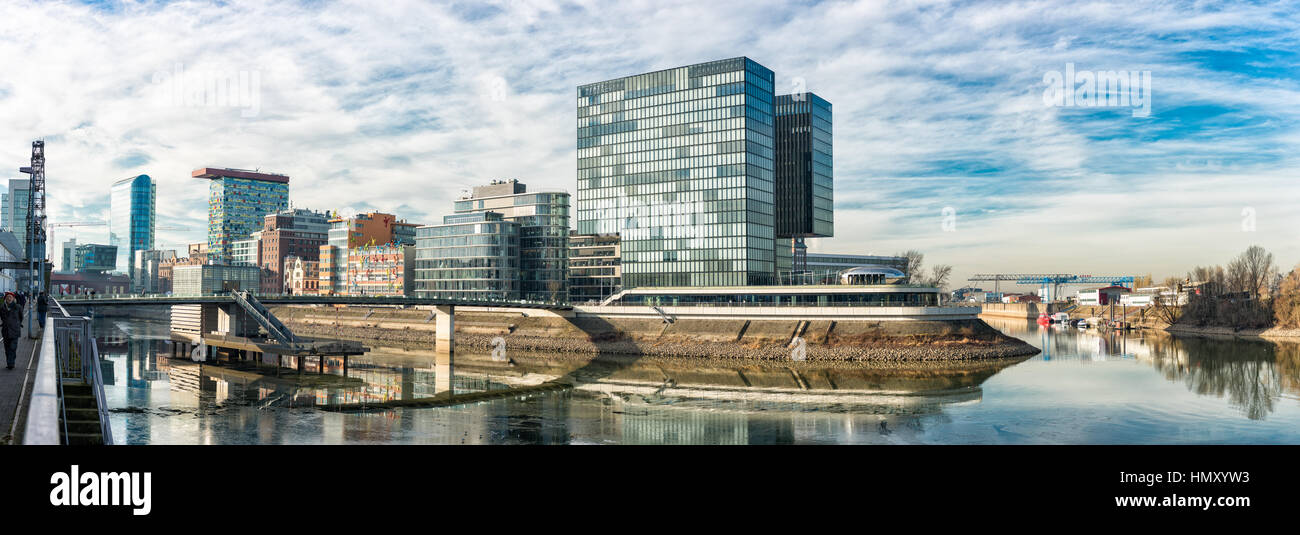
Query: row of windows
[(676, 163), (752, 230), (757, 265), (586, 185), (699, 93), (688, 243), (713, 102), (643, 125), (619, 203), (663, 132), (495, 228), (664, 154), (662, 143), (651, 85)]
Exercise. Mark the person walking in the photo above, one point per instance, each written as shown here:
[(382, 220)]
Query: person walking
[(42, 306), (11, 327)]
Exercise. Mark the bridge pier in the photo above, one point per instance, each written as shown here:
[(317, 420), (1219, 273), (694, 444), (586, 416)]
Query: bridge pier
[(445, 347)]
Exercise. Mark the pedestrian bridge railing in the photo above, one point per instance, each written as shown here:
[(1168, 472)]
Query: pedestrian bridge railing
[(69, 356)]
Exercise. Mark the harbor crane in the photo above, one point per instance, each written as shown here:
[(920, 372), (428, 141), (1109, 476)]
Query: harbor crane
[(1052, 281)]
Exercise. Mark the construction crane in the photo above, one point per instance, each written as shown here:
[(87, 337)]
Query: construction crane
[(1051, 280)]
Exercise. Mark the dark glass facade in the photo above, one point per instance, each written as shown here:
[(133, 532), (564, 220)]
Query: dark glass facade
[(803, 167), (679, 163)]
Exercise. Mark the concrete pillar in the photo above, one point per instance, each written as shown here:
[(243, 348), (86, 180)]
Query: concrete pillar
[(445, 338)]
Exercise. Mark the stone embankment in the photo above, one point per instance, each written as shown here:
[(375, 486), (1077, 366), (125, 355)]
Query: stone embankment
[(728, 339)]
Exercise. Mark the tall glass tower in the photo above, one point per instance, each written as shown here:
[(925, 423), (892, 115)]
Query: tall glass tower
[(131, 219), (804, 206), (679, 162)]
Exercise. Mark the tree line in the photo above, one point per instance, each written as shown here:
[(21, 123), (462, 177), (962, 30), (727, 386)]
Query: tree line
[(1250, 292)]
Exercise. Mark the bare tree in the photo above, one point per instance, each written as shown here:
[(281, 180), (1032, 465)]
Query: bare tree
[(1256, 270), (913, 270), (939, 276)]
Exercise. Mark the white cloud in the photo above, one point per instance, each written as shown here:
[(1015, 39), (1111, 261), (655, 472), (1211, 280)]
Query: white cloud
[(401, 105)]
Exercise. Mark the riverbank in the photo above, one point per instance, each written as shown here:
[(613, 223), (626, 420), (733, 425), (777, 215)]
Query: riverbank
[(1270, 333), (762, 339)]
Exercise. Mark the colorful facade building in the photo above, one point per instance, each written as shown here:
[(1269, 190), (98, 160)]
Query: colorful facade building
[(363, 230), (381, 270), (238, 202)]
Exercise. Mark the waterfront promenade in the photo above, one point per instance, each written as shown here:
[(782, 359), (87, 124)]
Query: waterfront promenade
[(16, 389)]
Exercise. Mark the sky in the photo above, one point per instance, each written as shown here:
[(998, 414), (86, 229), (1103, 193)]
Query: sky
[(948, 138)]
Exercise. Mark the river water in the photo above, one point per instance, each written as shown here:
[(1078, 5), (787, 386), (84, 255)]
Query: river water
[(1084, 388)]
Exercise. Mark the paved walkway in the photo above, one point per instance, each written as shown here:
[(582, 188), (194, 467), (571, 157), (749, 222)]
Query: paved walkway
[(17, 383)]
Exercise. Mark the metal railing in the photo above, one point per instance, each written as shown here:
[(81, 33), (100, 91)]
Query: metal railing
[(70, 356)]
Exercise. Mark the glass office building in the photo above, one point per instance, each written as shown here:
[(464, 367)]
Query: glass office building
[(543, 219), (94, 258), (468, 256), (131, 219), (237, 203), (804, 206), (680, 164), (208, 279)]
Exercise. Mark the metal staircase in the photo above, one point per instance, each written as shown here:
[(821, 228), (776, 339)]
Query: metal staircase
[(263, 317)]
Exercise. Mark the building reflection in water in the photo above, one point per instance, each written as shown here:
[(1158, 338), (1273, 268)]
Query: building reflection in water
[(641, 400)]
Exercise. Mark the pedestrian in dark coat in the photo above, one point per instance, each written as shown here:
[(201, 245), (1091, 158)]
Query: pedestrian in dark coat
[(42, 306), (11, 326)]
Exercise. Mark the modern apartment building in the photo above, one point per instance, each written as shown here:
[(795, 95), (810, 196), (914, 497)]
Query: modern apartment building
[(69, 248), (238, 200), (298, 233), (15, 209), (94, 258), (245, 252), (543, 219), (680, 164), (594, 268), (131, 217), (345, 234), (145, 267), (469, 256), (804, 177)]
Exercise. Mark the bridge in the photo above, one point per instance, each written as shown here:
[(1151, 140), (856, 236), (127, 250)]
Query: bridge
[(1054, 280), (232, 321), (133, 299)]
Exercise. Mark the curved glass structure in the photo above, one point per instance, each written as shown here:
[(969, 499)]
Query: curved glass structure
[(131, 219)]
